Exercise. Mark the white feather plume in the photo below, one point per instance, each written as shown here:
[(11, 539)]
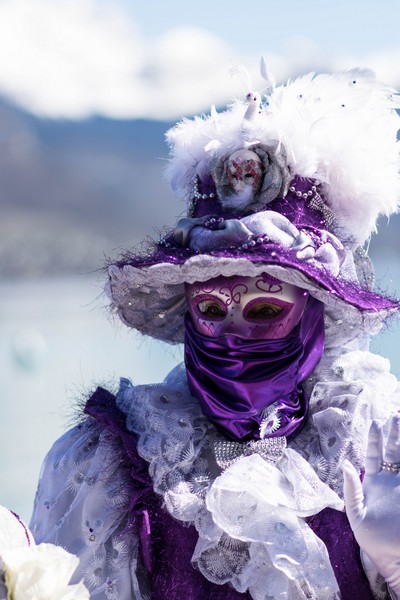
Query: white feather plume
[(267, 75), (243, 74), (339, 129)]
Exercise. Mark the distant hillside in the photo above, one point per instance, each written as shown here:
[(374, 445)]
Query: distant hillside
[(74, 191)]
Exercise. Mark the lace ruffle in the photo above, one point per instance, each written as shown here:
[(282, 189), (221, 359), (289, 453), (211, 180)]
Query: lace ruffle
[(244, 515), (250, 518), (82, 502), (350, 392)]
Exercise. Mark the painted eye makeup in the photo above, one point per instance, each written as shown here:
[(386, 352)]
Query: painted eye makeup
[(212, 309), (260, 310)]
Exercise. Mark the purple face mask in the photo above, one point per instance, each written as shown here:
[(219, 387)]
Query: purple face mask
[(252, 308), (252, 389), (250, 343)]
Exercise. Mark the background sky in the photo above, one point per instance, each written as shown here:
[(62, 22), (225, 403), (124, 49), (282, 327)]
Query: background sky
[(127, 58), (339, 28), (79, 173)]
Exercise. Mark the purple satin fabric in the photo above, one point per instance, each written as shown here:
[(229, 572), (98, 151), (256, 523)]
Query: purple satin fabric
[(236, 379)]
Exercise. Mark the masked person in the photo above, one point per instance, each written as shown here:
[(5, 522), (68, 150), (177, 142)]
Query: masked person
[(226, 480)]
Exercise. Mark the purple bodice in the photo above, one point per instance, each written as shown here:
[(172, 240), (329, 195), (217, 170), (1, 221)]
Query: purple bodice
[(167, 546)]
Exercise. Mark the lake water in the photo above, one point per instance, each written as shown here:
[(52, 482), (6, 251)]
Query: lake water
[(56, 343)]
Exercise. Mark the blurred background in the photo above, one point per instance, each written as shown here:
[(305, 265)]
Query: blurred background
[(87, 90)]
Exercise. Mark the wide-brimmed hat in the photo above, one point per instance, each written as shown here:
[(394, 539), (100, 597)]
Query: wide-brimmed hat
[(292, 187)]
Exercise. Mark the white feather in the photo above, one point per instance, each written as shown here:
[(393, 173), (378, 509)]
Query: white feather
[(267, 75), (243, 74), (340, 129)]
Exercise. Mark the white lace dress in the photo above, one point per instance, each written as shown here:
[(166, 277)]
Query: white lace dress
[(250, 518)]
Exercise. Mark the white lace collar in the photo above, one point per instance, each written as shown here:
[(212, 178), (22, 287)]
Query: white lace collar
[(250, 518)]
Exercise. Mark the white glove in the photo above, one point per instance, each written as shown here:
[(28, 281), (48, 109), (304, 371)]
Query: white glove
[(373, 509)]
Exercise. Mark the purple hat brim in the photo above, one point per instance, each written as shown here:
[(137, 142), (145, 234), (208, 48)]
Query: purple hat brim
[(148, 291)]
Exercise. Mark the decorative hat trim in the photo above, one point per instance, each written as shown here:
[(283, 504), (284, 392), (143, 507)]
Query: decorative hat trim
[(340, 130)]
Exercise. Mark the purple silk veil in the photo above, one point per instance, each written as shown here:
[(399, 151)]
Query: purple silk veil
[(238, 380)]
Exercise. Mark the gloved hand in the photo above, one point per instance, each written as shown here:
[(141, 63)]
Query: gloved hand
[(373, 509)]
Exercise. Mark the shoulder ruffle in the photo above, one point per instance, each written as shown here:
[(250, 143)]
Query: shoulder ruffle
[(347, 392), (82, 503)]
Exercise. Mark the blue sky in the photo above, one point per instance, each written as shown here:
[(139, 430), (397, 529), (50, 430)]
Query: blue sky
[(266, 25), (161, 59)]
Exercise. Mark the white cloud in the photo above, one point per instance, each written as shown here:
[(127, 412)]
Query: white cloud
[(68, 57), (74, 58), (384, 63)]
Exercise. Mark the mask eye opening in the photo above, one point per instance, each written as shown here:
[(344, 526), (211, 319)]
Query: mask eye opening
[(261, 310), (210, 308)]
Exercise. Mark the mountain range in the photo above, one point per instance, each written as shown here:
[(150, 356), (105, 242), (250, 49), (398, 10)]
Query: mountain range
[(73, 192)]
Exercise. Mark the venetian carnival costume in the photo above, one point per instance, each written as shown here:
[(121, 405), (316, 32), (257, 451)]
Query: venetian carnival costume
[(225, 481)]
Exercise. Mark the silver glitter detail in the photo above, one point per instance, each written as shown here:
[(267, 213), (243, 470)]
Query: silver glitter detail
[(270, 449), (339, 371), (317, 203), (391, 467), (361, 252), (196, 193)]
